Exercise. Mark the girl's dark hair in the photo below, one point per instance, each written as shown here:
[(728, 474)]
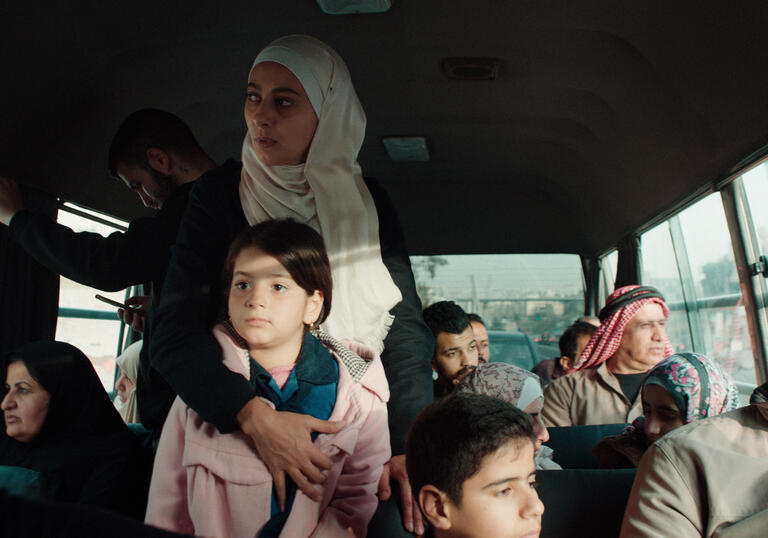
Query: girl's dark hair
[(297, 247)]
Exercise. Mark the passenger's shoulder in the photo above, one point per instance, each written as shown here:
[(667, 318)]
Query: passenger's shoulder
[(723, 426), (219, 178), (570, 381)]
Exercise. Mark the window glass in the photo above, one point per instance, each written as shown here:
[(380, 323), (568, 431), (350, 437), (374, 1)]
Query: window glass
[(97, 338), (756, 186), (690, 260), (722, 317), (538, 295), (608, 265), (659, 270)]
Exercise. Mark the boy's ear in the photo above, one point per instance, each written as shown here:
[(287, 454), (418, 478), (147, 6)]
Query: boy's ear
[(434, 506), (565, 362)]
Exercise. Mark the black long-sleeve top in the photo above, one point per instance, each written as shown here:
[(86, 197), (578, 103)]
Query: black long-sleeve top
[(140, 254), (184, 351)]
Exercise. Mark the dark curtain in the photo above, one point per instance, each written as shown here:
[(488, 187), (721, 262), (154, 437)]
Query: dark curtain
[(29, 293), (628, 266)]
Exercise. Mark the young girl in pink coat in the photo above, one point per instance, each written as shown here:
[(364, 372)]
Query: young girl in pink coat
[(278, 282)]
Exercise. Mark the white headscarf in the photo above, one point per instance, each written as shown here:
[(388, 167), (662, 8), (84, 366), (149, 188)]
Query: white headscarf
[(128, 362), (328, 192)]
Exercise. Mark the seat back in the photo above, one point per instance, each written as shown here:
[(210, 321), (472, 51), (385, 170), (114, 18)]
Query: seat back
[(21, 481), (584, 502), (572, 444)]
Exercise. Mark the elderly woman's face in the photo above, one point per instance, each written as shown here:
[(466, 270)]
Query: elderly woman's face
[(25, 406), (124, 386), (280, 118)]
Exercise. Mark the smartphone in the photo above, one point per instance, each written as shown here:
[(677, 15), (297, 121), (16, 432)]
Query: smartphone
[(115, 303)]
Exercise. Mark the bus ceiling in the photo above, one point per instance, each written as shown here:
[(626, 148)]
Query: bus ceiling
[(598, 119)]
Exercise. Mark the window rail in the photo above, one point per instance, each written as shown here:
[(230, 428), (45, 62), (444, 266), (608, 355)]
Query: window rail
[(717, 301), (83, 313)]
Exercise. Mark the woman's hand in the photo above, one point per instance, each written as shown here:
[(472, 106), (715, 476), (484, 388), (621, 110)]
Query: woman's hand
[(409, 506), (285, 446)]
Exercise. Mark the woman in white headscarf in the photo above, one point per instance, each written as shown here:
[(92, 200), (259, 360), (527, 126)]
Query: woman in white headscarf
[(305, 129), (125, 386)]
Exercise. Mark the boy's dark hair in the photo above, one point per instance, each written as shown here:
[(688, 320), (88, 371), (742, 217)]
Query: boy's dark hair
[(150, 128), (450, 438), (445, 317), (568, 343), (476, 318), (297, 247)]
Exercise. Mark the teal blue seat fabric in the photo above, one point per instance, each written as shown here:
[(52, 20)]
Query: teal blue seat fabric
[(20, 481), (584, 502), (572, 444)]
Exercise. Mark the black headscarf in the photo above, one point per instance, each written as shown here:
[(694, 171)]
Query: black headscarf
[(84, 452)]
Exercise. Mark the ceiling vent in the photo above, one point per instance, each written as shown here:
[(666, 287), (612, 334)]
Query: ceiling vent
[(471, 68), (348, 7), (406, 148)]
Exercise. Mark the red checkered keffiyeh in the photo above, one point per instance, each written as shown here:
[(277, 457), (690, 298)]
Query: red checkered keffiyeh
[(607, 338)]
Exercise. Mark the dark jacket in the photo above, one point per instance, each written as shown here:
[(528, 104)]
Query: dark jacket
[(122, 259), (186, 354)]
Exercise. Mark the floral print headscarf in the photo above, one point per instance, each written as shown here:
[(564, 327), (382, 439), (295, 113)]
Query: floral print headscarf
[(698, 385)]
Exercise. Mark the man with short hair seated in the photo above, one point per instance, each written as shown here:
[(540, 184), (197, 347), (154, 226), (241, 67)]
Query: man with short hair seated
[(572, 342), (604, 385), (455, 345), (707, 478), (481, 336)]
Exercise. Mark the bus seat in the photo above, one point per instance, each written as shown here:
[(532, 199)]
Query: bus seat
[(144, 435), (584, 502), (21, 481), (572, 444), (387, 521)]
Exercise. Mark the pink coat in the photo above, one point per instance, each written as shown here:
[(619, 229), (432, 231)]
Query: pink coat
[(212, 484)]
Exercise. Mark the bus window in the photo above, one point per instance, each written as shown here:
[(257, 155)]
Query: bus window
[(660, 270), (704, 296), (89, 324), (756, 187), (608, 266), (533, 296)]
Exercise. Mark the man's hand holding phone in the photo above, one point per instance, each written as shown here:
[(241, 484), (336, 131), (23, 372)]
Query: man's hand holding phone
[(133, 312)]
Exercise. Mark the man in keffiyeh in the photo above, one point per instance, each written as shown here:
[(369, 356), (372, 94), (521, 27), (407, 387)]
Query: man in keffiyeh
[(604, 385)]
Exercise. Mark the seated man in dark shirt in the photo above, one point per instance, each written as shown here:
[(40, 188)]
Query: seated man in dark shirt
[(572, 343), (455, 344), (481, 335)]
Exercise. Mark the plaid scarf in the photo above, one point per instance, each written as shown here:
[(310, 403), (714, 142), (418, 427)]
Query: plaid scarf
[(620, 308)]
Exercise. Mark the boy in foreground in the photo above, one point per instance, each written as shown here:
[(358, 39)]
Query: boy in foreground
[(470, 464)]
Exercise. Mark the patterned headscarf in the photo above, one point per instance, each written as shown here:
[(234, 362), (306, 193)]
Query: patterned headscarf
[(620, 308), (699, 386), (504, 381)]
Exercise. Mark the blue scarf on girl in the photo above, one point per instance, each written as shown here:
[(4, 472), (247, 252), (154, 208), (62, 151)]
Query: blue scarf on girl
[(309, 390)]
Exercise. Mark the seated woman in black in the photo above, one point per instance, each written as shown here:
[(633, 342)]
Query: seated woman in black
[(59, 423)]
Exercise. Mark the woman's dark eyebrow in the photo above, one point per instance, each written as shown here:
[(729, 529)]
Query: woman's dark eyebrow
[(275, 90)]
